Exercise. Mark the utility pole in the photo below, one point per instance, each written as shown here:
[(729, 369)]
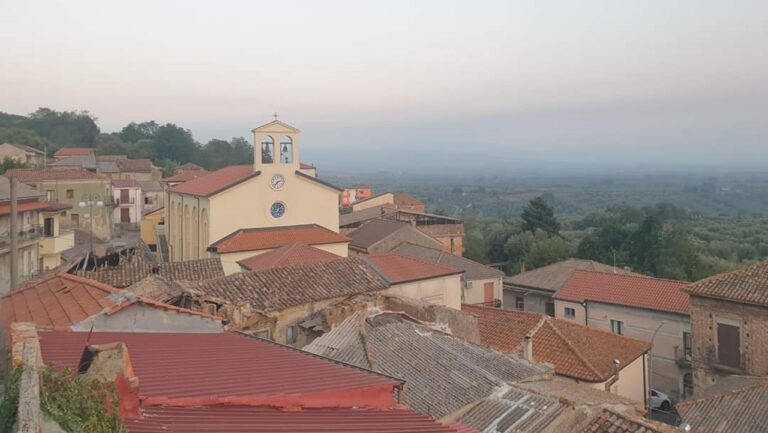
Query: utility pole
[(14, 236)]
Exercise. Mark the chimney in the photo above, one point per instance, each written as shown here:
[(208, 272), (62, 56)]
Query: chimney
[(528, 348), (615, 378)]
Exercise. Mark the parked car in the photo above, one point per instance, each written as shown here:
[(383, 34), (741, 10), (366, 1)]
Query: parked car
[(659, 400)]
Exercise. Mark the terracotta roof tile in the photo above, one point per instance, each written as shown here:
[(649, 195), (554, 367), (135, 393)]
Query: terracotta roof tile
[(403, 199), (41, 174), (397, 269), (275, 237), (748, 285), (136, 269), (473, 270), (141, 165), (280, 288), (609, 421), (187, 175), (553, 277), (188, 166), (293, 254), (738, 411), (576, 351), (217, 181), (627, 290), (74, 151), (5, 209), (373, 231)]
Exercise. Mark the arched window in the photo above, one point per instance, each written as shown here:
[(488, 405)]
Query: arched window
[(187, 244), (286, 150), (203, 232), (194, 252), (268, 150)]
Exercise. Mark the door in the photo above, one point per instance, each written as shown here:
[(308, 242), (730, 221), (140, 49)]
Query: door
[(124, 198), (728, 345), (488, 293), (125, 215), (75, 218)]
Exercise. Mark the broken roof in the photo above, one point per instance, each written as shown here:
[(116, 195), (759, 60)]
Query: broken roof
[(627, 290), (280, 288), (135, 269), (254, 239), (443, 373), (747, 285), (552, 277), (515, 411), (294, 254), (576, 351), (472, 269), (609, 421)]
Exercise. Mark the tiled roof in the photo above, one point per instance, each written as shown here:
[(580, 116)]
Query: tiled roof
[(403, 199), (373, 231), (576, 351), (141, 165), (516, 410), (134, 270), (157, 288), (26, 148), (62, 300), (5, 209), (609, 421), (204, 368), (23, 191), (244, 419), (472, 269), (552, 277), (293, 254), (748, 285), (188, 166), (42, 174), (280, 288), (275, 237), (82, 161), (184, 176), (107, 167), (627, 290), (577, 394), (150, 186), (217, 181), (110, 158), (397, 269), (126, 183), (359, 216), (304, 166), (442, 373), (740, 411), (74, 151)]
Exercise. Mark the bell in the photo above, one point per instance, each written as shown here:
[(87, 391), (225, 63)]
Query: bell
[(285, 148)]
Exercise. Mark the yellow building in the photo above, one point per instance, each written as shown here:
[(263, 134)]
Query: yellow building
[(57, 237), (276, 190), (149, 222)]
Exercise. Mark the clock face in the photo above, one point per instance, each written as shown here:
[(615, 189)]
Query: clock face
[(277, 182), (277, 210)]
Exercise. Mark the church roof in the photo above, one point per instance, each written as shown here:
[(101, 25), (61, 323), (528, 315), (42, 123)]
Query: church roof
[(254, 239), (293, 254), (275, 126), (217, 181)]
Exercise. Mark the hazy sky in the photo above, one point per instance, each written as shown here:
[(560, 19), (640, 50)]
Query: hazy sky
[(420, 83)]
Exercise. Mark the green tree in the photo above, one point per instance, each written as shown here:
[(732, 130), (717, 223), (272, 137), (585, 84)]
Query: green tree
[(9, 163), (266, 155), (538, 215), (547, 251), (64, 128)]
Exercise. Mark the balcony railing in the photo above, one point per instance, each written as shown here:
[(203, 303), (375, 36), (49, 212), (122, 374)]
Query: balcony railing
[(130, 201), (26, 234)]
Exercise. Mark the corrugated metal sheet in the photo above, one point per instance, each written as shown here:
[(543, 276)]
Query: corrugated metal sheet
[(742, 411), (516, 411)]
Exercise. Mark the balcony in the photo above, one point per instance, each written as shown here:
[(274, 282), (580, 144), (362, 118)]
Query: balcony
[(128, 202), (683, 359), (64, 240), (26, 235)]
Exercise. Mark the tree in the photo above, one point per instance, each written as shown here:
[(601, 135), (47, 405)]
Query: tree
[(266, 155), (547, 251), (9, 163), (538, 215), (64, 128)]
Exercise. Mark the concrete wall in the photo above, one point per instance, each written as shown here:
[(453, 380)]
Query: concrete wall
[(386, 198), (753, 324), (28, 248), (8, 150), (229, 260), (444, 291), (581, 312), (534, 302), (102, 216), (666, 374), (144, 318), (405, 234), (630, 383), (134, 205), (474, 290)]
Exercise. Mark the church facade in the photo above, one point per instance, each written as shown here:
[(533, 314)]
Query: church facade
[(276, 190)]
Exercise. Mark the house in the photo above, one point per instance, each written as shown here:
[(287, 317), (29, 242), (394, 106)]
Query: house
[(179, 382), (140, 169), (187, 167), (380, 235), (728, 312), (645, 308), (293, 254), (534, 290), (355, 193), (603, 360), (248, 242), (739, 410), (66, 152), (275, 191), (57, 235), (480, 284), (23, 154), (444, 375), (396, 200), (181, 176), (85, 162), (152, 222), (448, 231), (135, 268), (128, 203), (74, 187), (65, 301), (152, 195)]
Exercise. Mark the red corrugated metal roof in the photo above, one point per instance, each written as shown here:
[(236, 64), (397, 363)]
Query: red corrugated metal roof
[(275, 237), (402, 269), (240, 419), (216, 181), (294, 254), (5, 209), (627, 290), (189, 369)]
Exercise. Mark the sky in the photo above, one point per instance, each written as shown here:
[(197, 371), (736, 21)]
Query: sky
[(414, 85)]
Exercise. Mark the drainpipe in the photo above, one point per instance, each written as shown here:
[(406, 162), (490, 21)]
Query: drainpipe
[(528, 349), (615, 378)]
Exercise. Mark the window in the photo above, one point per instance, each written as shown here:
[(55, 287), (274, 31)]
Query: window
[(570, 313), (147, 200), (687, 352), (519, 303), (617, 327), (48, 227), (729, 345), (51, 194), (549, 308), (290, 335), (262, 333), (70, 193)]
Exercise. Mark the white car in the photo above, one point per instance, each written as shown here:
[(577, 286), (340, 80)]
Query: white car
[(659, 400)]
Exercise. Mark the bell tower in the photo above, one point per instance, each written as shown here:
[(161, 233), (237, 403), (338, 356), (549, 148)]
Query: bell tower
[(276, 146)]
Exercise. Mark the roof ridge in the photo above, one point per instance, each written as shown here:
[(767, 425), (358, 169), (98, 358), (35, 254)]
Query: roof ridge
[(573, 348), (723, 275), (631, 275)]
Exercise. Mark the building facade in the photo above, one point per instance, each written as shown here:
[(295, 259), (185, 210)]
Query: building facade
[(22, 153), (128, 202)]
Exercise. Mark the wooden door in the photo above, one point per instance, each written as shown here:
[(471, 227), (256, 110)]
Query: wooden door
[(125, 215), (488, 293), (729, 345), (124, 197)]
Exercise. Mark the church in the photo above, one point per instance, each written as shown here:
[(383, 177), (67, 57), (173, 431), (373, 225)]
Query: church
[(241, 210)]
